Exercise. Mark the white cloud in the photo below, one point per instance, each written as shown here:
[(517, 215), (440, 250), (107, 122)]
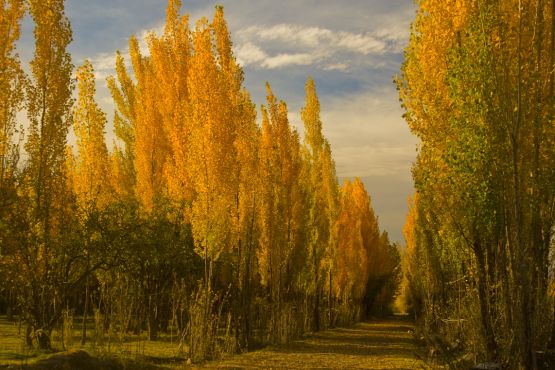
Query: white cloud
[(301, 35), (104, 61), (326, 48), (248, 53), (336, 67), (103, 64), (283, 45), (368, 134), (373, 159), (283, 60), (363, 44), (396, 35)]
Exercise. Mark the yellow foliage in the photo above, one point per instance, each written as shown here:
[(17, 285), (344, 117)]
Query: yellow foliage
[(359, 252), (280, 212), (11, 82), (92, 166)]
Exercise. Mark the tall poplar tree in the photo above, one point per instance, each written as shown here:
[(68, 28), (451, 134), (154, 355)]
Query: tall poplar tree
[(323, 194), (281, 210), (92, 172), (212, 161), (123, 91), (90, 179), (358, 242), (48, 107), (12, 88)]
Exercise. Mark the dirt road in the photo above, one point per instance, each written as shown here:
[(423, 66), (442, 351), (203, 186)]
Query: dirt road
[(384, 344)]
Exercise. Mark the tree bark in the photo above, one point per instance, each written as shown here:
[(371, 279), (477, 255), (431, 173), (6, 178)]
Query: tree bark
[(491, 344), (85, 312)]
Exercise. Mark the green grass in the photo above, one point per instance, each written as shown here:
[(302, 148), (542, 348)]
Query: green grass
[(12, 344), (165, 352), (386, 344)]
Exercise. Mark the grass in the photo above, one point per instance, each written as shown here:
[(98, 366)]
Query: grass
[(385, 344), (12, 344), (129, 349)]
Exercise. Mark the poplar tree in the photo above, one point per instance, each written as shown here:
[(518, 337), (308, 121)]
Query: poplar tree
[(323, 193), (366, 263), (245, 185), (91, 171), (151, 144), (48, 108), (171, 54), (123, 91), (281, 207), (358, 231), (12, 88), (212, 161), (92, 168)]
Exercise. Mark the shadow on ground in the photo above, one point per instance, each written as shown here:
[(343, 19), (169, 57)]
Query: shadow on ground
[(81, 360), (384, 344)]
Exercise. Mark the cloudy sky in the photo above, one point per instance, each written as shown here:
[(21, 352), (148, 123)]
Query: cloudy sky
[(351, 48)]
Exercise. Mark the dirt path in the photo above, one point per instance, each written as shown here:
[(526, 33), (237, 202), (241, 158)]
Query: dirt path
[(385, 344)]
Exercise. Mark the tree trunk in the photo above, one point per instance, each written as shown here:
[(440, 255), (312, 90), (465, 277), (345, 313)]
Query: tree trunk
[(551, 343), (29, 336), (330, 318), (491, 345), (152, 320), (317, 309), (316, 313), (43, 339), (85, 311)]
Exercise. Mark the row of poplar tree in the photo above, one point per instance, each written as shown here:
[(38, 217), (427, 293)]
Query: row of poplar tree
[(199, 218), (478, 88)]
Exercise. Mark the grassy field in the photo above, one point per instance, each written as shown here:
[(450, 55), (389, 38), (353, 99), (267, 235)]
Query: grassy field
[(387, 344), (132, 348)]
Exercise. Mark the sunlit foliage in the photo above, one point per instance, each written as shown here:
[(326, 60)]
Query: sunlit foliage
[(198, 219)]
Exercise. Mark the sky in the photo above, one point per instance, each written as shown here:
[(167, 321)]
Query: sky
[(352, 49)]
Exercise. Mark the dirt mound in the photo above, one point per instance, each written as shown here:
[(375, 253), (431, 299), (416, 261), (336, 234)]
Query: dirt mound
[(75, 360)]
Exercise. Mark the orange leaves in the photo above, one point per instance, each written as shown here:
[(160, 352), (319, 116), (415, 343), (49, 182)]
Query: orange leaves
[(48, 103), (11, 13), (321, 189), (437, 29), (359, 251), (91, 169), (280, 207), (410, 224), (310, 115), (11, 85), (188, 128), (212, 158)]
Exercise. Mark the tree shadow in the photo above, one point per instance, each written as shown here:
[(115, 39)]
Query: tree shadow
[(365, 339)]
